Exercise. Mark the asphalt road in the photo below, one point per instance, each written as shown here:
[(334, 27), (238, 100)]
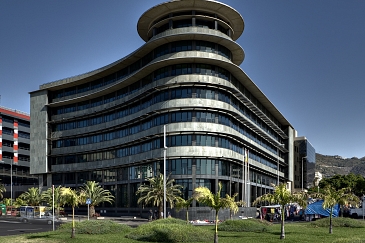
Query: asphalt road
[(13, 226)]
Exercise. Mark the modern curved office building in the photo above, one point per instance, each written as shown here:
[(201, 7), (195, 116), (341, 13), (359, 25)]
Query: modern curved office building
[(107, 125)]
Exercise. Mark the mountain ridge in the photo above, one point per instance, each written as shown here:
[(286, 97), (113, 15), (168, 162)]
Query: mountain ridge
[(330, 165)]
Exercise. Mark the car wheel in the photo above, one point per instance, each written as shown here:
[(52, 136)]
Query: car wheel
[(25, 220), (49, 221), (354, 215)]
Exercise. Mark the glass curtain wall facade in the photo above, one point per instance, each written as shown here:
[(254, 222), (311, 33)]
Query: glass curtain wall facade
[(107, 125), (305, 155)]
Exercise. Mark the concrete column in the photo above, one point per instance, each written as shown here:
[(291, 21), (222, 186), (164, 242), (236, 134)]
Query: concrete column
[(193, 178)]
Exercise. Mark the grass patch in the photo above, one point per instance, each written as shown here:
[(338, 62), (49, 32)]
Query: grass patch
[(300, 232), (96, 227), (171, 230), (339, 222), (245, 225)]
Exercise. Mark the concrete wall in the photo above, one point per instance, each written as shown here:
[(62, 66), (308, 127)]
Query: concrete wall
[(39, 130)]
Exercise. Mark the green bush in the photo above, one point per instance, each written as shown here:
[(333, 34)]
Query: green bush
[(171, 230), (244, 225), (96, 227), (339, 222)]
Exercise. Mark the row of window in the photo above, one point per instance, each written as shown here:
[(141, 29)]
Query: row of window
[(190, 12), (192, 22), (173, 166), (10, 155), (172, 141), (172, 47), (8, 143), (179, 116), (11, 120), (164, 72), (126, 174), (176, 93), (9, 131), (180, 69)]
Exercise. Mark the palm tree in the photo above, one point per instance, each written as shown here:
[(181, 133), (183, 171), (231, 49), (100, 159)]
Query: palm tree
[(181, 203), (59, 200), (2, 190), (32, 197), (215, 201), (283, 196), (72, 198), (6, 201), (239, 203), (332, 196), (154, 192), (96, 194)]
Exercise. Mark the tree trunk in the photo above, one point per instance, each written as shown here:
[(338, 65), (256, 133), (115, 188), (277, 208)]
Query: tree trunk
[(187, 216), (331, 220), (216, 227), (282, 233), (73, 223), (160, 210), (91, 211)]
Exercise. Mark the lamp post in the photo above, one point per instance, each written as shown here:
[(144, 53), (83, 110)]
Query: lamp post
[(164, 171), (303, 173), (11, 183), (280, 145)]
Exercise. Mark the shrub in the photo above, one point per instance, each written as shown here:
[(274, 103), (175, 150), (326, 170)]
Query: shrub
[(339, 222), (170, 230), (244, 225), (96, 227)]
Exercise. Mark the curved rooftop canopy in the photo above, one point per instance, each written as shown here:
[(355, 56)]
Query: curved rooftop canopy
[(225, 12)]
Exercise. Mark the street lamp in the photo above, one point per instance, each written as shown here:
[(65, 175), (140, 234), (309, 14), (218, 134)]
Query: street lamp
[(280, 145), (302, 171), (164, 169)]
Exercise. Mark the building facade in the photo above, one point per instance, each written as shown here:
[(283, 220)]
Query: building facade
[(14, 152), (305, 161), (107, 125)]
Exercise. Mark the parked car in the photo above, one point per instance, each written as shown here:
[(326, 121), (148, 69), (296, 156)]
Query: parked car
[(40, 220)]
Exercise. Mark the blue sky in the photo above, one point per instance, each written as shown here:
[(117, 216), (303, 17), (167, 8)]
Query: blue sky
[(308, 57)]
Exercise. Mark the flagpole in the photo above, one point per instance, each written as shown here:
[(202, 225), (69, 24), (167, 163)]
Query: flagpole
[(243, 174), (248, 179), (246, 176), (244, 183), (53, 209)]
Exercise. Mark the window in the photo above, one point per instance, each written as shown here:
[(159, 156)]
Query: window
[(161, 73), (181, 69), (161, 50), (205, 69), (205, 46), (182, 23), (205, 167), (181, 46)]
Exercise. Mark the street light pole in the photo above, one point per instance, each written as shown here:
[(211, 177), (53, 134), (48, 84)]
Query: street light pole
[(164, 173), (302, 172), (11, 183)]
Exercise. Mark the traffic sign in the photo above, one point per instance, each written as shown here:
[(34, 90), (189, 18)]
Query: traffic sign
[(88, 201)]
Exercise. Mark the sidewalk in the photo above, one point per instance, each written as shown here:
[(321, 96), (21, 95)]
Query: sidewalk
[(128, 220)]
